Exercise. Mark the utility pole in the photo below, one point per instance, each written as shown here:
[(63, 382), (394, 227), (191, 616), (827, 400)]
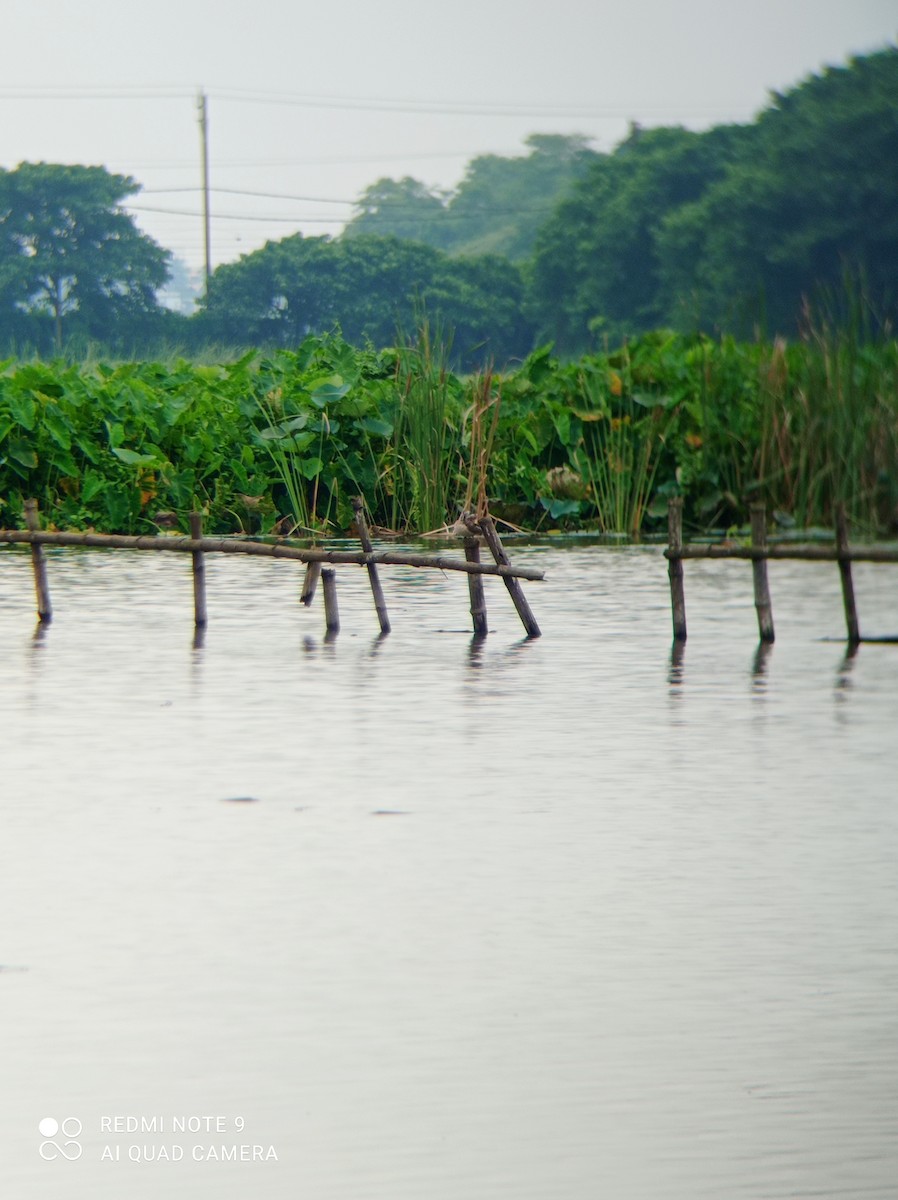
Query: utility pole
[(204, 144)]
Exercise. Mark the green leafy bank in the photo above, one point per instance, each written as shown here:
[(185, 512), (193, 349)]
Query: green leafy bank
[(282, 442)]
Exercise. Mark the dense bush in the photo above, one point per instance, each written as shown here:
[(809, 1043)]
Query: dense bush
[(289, 438)]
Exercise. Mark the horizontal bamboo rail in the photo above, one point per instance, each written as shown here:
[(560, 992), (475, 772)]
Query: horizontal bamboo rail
[(197, 546), (873, 554), (205, 545), (758, 553)]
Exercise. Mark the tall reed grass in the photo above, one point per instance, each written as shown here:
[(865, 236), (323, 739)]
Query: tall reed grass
[(424, 461), (621, 448), (602, 442), (829, 423)]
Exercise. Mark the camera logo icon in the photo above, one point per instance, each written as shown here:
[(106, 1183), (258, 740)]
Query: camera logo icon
[(68, 1146)]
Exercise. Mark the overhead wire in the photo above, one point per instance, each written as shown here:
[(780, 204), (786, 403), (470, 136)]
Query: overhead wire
[(408, 105)]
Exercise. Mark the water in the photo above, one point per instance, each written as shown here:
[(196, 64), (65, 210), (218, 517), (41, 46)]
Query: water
[(561, 918)]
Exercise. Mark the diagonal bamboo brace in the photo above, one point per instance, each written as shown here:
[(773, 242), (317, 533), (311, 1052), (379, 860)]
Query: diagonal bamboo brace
[(486, 527), (380, 604), (39, 562)]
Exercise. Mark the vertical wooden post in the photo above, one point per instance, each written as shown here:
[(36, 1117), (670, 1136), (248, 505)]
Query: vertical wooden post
[(39, 563), (759, 571), (675, 567), (331, 612), (380, 604), (475, 588), (199, 572), (310, 583), (513, 586), (851, 620)]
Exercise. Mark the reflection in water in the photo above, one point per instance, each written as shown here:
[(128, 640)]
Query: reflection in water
[(476, 648), (846, 667), (612, 921), (40, 633), (759, 666), (377, 644), (675, 669)]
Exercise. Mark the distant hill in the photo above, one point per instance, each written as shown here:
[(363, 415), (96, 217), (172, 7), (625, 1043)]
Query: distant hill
[(498, 208)]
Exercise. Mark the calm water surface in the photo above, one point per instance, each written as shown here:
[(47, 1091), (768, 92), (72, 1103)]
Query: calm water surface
[(566, 918)]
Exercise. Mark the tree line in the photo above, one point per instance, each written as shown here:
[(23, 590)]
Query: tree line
[(733, 229)]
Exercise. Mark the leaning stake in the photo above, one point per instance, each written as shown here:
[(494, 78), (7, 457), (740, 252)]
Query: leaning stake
[(851, 621), (310, 583), (377, 591), (488, 529), (39, 562), (759, 572), (199, 571)]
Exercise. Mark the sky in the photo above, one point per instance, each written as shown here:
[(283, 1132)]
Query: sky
[(308, 104)]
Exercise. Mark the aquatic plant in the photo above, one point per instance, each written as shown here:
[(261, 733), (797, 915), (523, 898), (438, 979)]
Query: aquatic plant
[(285, 441)]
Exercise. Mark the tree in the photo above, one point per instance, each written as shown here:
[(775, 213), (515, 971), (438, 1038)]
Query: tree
[(501, 203), (371, 288), (813, 201), (496, 209), (404, 208), (596, 265), (71, 257)]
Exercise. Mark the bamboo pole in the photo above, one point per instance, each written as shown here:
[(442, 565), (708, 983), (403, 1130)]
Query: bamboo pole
[(380, 604), (331, 611), (475, 589), (310, 583), (759, 572), (851, 619), (675, 567), (39, 563), (872, 554), (120, 541), (199, 571), (488, 529)]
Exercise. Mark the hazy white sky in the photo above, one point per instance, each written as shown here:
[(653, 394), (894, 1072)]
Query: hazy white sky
[(309, 103)]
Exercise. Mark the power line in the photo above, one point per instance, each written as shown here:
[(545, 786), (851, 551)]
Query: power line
[(240, 192), (223, 164), (93, 92), (181, 212), (458, 107), (483, 108), (424, 218)]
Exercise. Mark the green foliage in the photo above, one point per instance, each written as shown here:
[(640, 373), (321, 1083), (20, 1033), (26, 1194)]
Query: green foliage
[(812, 196), (367, 287), (285, 440), (497, 209), (733, 229), (72, 262), (426, 481), (597, 268), (403, 208), (829, 424)]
